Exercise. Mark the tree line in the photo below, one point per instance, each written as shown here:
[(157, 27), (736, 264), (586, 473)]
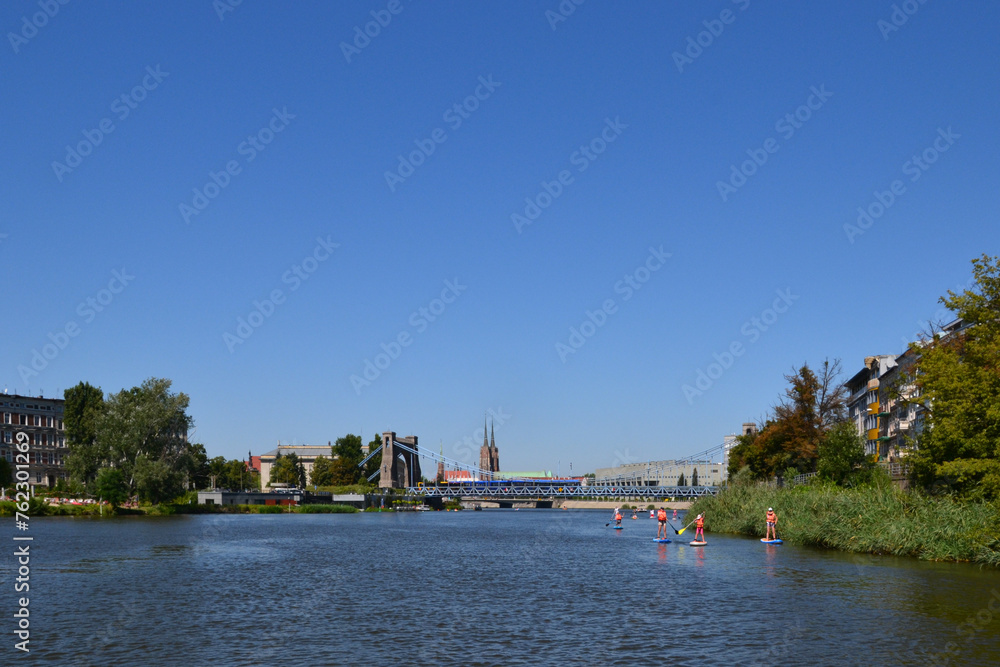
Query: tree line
[(134, 444), (957, 450)]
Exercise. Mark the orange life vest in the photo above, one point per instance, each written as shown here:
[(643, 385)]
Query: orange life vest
[(662, 515), (700, 523), (771, 517)]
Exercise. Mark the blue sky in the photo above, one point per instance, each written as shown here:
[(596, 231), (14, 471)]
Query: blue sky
[(249, 156)]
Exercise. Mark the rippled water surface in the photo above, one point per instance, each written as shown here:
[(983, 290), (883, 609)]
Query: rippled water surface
[(500, 587)]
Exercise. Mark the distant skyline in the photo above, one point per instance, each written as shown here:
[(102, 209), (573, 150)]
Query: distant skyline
[(612, 228)]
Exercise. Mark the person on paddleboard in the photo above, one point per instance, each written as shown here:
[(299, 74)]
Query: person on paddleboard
[(772, 525), (699, 528), (661, 524), (618, 517), (675, 515)]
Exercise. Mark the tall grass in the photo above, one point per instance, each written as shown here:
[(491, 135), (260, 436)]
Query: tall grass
[(875, 519), (326, 509)]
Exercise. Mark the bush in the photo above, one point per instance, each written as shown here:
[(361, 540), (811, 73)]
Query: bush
[(325, 509)]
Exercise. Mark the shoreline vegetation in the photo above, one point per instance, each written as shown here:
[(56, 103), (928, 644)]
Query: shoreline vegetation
[(37, 507), (877, 518)]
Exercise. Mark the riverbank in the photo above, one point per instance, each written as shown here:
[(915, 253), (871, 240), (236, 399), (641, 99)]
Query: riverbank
[(39, 508), (877, 519)]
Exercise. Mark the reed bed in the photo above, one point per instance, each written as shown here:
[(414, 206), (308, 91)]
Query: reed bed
[(876, 519)]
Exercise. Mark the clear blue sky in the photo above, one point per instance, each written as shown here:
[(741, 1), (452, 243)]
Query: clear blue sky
[(664, 132)]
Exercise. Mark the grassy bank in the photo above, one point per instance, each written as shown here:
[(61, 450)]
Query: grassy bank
[(877, 519)]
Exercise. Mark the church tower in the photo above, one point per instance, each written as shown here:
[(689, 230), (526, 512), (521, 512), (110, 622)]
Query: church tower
[(494, 453), (484, 455)]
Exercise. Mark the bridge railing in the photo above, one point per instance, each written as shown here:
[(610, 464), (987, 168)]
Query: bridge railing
[(553, 491)]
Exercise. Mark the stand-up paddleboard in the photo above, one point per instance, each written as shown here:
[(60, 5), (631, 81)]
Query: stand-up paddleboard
[(771, 541), (697, 543), (661, 540), (618, 527)]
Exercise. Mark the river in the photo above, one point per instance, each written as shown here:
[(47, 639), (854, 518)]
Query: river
[(497, 587)]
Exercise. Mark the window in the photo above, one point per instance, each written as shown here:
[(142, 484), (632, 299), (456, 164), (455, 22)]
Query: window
[(7, 437)]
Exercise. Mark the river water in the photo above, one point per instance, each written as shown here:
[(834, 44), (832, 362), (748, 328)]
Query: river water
[(497, 587)]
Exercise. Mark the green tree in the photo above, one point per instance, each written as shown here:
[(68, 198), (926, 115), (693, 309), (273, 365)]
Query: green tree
[(156, 480), (110, 485), (82, 412), (959, 448), (348, 449), (287, 469), (681, 481), (322, 474), (198, 470), (143, 430), (217, 472), (841, 451), (694, 477), (347, 455), (790, 438)]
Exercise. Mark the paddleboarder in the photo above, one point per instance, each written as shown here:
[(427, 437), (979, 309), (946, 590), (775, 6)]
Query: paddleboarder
[(661, 523), (618, 517), (772, 525), (699, 528)]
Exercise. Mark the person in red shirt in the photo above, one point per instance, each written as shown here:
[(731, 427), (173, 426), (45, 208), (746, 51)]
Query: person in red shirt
[(699, 528)]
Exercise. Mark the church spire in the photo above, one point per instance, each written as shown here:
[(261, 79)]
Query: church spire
[(493, 442)]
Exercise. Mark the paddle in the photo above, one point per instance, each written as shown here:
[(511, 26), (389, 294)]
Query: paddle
[(685, 527)]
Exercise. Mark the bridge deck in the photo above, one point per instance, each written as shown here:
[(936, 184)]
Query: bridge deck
[(549, 491)]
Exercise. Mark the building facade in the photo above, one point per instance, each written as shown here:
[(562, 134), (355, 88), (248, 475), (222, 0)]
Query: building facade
[(307, 455), (661, 473), (864, 408), (41, 420)]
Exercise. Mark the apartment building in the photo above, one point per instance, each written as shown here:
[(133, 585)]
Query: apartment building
[(41, 419)]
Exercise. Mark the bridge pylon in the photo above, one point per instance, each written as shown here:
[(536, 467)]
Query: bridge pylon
[(400, 468)]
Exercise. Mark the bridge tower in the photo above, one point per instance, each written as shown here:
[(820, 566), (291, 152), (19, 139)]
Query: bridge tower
[(400, 468)]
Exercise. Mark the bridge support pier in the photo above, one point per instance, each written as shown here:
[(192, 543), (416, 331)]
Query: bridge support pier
[(400, 468)]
